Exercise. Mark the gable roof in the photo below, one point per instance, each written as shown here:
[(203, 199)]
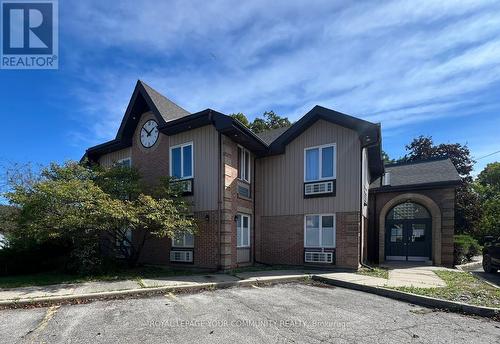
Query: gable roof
[(167, 108), (369, 134), (427, 173), (144, 98), (269, 136), (224, 124)]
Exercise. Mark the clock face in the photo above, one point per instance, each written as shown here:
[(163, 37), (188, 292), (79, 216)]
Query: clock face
[(149, 133)]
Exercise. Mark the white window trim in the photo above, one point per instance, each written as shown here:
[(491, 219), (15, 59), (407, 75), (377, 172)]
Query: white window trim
[(241, 163), (334, 145), (181, 146), (321, 231), (124, 159), (183, 242), (249, 230)]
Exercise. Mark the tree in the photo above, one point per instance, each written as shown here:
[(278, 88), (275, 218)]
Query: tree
[(386, 159), (270, 121), (488, 187), (93, 208), (467, 210), (242, 118)]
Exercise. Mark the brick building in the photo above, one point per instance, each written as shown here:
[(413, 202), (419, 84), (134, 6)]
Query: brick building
[(315, 193)]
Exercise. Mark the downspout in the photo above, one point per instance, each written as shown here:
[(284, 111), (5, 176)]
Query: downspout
[(360, 246), (255, 214), (219, 203)]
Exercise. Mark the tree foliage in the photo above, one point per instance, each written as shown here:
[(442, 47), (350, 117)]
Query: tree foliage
[(94, 208), (467, 209), (270, 120), (488, 188)]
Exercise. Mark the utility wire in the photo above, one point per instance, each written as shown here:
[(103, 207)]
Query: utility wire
[(487, 155)]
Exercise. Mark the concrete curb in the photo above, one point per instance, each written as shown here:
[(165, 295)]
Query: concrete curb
[(469, 266), (415, 299), (148, 291)]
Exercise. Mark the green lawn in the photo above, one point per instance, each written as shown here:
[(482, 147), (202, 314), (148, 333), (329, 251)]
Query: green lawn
[(48, 278), (461, 287), (375, 272)]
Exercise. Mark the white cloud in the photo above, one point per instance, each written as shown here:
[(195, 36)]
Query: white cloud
[(398, 62)]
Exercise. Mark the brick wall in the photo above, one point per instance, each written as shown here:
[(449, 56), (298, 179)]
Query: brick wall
[(157, 251), (152, 162), (280, 240), (444, 199)]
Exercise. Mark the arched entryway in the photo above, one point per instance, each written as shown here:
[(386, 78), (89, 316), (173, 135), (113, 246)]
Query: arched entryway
[(408, 233), (432, 210)]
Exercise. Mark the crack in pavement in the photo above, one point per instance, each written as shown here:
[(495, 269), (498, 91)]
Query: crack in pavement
[(51, 311)]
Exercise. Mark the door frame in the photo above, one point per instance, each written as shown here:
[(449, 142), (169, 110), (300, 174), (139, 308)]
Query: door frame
[(407, 232)]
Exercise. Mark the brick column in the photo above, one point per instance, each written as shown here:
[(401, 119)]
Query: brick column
[(347, 240), (228, 224)]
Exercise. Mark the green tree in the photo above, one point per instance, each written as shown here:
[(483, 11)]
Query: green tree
[(467, 209), (275, 121), (270, 121), (259, 125), (242, 118), (94, 208), (386, 159), (488, 187)]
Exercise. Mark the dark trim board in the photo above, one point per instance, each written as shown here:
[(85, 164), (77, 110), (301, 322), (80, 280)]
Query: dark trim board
[(414, 187)]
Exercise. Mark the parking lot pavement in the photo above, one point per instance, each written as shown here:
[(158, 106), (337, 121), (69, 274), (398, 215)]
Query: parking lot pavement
[(493, 278), (277, 314)]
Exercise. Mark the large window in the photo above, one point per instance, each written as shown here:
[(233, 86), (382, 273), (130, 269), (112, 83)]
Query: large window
[(183, 240), (319, 231), (242, 230), (181, 161), (319, 163), (243, 164)]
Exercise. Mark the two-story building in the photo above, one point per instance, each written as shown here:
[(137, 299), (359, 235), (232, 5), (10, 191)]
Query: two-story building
[(314, 193)]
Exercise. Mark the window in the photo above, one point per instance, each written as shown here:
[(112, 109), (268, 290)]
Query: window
[(181, 161), (319, 231), (243, 164), (124, 238), (183, 240), (127, 162), (397, 233), (242, 230), (407, 211), (319, 163)]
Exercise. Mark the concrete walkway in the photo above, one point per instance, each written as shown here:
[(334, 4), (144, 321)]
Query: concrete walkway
[(399, 276), (418, 277), (61, 290)]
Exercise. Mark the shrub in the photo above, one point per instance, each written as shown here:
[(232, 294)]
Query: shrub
[(465, 247)]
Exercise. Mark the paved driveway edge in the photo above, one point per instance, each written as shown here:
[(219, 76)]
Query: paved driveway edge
[(413, 298), (143, 292)]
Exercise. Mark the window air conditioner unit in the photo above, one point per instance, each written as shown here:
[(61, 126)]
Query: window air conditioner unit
[(318, 188), (181, 256), (318, 257)]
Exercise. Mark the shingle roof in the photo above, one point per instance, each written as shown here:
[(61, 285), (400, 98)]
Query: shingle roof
[(167, 108), (429, 171), (269, 136)]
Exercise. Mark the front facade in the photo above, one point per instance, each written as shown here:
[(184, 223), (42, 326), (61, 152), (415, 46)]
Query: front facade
[(303, 195)]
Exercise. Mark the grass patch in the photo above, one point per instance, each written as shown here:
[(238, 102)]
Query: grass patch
[(375, 272), (48, 278), (461, 287)]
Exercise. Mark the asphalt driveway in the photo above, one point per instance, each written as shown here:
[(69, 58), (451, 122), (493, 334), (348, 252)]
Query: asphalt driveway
[(278, 314), (493, 278)]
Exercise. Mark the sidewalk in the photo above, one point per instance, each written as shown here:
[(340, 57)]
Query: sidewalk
[(397, 277), (192, 281)]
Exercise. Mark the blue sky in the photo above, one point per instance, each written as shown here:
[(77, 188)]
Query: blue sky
[(418, 67)]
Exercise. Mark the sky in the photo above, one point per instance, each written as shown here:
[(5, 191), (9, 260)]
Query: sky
[(418, 67)]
